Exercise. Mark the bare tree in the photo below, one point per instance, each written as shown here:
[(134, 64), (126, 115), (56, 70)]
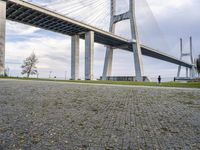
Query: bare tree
[(29, 66)]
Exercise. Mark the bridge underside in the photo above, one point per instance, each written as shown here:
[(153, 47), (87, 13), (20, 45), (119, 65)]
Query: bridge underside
[(26, 13), (33, 15), (147, 51)]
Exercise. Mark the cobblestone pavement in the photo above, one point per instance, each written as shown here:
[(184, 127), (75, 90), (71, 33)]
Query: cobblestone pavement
[(49, 115)]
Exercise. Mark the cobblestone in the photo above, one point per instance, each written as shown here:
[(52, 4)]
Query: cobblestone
[(49, 115)]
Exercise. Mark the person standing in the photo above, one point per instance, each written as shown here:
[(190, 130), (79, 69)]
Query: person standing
[(159, 79)]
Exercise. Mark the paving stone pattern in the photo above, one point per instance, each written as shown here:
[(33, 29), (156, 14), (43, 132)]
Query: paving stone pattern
[(66, 116)]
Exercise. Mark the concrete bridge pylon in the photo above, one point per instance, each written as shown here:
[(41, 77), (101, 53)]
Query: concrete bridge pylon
[(107, 71), (190, 72), (2, 36)]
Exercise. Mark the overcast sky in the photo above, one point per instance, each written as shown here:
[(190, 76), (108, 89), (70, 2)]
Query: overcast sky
[(160, 26)]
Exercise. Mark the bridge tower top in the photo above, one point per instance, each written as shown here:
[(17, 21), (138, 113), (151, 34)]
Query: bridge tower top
[(130, 14), (183, 55), (190, 54)]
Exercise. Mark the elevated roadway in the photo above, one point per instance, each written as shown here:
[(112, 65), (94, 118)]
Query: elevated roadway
[(30, 14)]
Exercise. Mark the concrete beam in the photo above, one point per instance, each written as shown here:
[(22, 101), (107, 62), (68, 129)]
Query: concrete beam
[(89, 55), (2, 36), (75, 50), (121, 17)]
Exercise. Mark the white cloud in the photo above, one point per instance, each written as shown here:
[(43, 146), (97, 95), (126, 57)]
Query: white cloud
[(14, 28)]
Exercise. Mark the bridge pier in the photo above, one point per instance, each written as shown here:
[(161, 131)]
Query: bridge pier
[(139, 73), (107, 70), (89, 55), (2, 36), (192, 72), (75, 50), (187, 75)]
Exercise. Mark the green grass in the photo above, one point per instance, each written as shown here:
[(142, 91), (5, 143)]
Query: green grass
[(164, 84)]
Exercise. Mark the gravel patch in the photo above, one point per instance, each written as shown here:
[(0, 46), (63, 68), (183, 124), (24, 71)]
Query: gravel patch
[(50, 115)]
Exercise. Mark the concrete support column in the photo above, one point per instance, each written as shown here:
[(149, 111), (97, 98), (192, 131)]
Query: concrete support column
[(181, 49), (75, 57), (2, 36), (187, 73), (179, 71), (107, 70), (89, 55), (192, 72), (136, 47)]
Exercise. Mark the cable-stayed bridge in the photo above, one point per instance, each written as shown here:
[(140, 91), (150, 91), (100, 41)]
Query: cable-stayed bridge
[(30, 14)]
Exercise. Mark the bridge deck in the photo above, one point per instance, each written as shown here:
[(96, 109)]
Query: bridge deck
[(33, 15)]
